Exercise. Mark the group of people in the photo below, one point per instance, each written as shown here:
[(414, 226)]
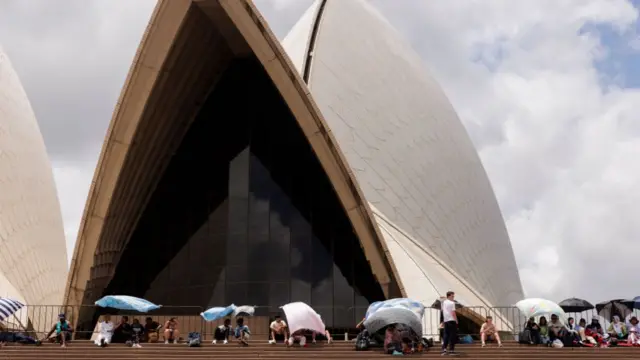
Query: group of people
[(134, 333), (241, 332), (124, 332), (581, 334), (279, 331)]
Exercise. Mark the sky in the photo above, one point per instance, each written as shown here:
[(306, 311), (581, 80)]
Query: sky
[(547, 89)]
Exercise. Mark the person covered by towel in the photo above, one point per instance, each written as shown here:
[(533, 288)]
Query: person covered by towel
[(105, 331)]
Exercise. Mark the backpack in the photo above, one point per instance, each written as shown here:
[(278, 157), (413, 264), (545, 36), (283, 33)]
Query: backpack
[(466, 339), (362, 341), (193, 340), (525, 337)]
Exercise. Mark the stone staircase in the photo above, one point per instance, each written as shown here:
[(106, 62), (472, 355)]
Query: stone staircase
[(262, 350)]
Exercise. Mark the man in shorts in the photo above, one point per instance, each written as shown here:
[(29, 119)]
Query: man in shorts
[(63, 331), (488, 332), (278, 330)]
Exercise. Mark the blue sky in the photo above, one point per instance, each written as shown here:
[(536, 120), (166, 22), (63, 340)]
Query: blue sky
[(622, 63)]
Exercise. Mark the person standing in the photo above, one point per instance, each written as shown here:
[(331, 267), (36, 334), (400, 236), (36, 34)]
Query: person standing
[(450, 324)]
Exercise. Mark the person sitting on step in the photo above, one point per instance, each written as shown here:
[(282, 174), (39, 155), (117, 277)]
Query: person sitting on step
[(105, 332), (488, 332), (222, 332), (151, 330), (63, 330), (171, 332), (137, 333), (122, 331), (242, 332), (617, 329), (278, 330), (634, 331)]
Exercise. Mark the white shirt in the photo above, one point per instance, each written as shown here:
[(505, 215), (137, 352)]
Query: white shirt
[(106, 327), (277, 327), (448, 307)]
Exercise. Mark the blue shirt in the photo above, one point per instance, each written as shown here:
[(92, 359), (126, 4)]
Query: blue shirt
[(241, 329)]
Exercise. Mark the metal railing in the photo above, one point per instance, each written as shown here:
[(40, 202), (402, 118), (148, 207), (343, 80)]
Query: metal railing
[(38, 320)]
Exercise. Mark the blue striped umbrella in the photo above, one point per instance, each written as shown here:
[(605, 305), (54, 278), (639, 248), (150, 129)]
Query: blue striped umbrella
[(9, 307)]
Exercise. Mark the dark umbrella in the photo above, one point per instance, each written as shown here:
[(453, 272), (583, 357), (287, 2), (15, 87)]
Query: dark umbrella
[(636, 302), (575, 305), (438, 304), (620, 307)]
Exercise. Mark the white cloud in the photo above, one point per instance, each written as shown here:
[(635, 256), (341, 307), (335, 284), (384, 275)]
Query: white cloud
[(560, 149), (558, 139)]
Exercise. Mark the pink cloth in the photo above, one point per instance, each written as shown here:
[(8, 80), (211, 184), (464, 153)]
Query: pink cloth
[(301, 316)]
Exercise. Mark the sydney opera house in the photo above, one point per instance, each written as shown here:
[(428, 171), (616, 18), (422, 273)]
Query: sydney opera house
[(33, 257), (329, 168)]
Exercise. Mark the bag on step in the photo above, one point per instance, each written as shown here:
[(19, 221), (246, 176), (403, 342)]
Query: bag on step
[(466, 339), (193, 340), (525, 337)]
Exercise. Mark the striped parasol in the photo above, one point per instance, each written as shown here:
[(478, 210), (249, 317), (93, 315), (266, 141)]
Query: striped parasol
[(9, 307)]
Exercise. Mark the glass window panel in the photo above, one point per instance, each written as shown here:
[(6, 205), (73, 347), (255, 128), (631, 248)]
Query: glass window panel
[(259, 293), (237, 273), (237, 293), (245, 222), (343, 301), (237, 249), (278, 296)]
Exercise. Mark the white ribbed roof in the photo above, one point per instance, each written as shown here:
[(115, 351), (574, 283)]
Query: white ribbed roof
[(33, 255), (410, 153)]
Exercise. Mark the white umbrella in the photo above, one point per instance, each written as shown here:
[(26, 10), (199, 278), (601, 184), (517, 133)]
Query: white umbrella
[(393, 315), (244, 310), (535, 307)]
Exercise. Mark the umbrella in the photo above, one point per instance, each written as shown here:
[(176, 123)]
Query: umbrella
[(408, 304), (301, 316), (438, 304), (636, 302), (9, 307), (536, 307), (217, 312), (621, 307), (125, 302), (245, 310), (393, 315), (575, 305)]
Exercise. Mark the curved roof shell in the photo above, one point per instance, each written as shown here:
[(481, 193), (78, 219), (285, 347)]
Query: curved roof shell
[(410, 154), (33, 259)]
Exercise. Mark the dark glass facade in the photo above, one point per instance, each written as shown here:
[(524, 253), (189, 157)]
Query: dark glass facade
[(245, 214)]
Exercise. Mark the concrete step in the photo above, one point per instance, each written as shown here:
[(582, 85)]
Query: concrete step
[(78, 350)]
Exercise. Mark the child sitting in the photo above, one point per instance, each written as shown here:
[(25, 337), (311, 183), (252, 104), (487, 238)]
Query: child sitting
[(242, 332)]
